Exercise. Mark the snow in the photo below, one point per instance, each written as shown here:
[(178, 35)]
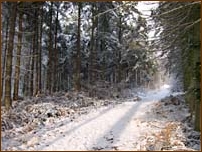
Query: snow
[(126, 126)]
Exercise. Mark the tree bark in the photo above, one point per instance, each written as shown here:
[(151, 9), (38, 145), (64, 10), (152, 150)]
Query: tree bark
[(8, 100), (32, 70), (4, 59), (26, 84), (33, 59), (55, 55), (17, 67), (78, 57), (197, 120), (49, 70), (119, 51), (40, 50), (36, 89), (92, 51)]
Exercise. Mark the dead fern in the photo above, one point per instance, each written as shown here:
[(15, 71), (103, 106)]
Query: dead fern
[(163, 138)]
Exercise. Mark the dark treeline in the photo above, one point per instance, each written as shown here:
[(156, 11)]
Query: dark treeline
[(178, 27)]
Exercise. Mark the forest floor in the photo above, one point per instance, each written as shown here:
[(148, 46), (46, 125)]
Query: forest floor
[(155, 120)]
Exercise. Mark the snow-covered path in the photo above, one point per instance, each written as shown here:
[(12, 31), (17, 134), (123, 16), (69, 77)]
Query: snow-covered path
[(150, 124), (117, 127)]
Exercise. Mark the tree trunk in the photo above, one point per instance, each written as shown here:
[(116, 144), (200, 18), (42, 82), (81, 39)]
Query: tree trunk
[(49, 70), (8, 101), (92, 49), (55, 55), (26, 84), (119, 51), (32, 68), (4, 59), (197, 120), (40, 50), (33, 59), (36, 54), (1, 67), (17, 67), (78, 57)]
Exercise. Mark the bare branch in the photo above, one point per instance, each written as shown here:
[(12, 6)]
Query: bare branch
[(197, 21), (172, 10), (109, 10)]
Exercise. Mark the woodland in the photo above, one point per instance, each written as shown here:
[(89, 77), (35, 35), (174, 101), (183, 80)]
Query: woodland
[(61, 60)]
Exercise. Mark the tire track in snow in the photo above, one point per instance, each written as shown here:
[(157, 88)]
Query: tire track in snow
[(71, 130), (116, 127)]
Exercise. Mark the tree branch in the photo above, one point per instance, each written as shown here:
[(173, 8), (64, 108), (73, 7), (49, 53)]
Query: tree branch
[(172, 10)]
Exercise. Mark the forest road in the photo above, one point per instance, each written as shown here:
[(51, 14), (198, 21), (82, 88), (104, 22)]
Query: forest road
[(118, 127)]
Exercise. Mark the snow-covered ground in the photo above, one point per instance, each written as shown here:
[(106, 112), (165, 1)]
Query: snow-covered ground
[(125, 126)]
